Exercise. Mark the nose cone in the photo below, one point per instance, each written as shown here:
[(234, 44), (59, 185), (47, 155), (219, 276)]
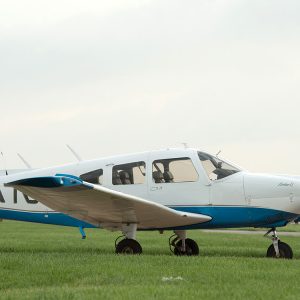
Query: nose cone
[(273, 192)]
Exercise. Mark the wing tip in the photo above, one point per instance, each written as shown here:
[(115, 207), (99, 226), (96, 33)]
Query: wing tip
[(58, 180)]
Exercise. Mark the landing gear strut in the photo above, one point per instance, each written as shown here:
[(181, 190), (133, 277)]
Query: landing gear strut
[(278, 249), (128, 245), (180, 245)]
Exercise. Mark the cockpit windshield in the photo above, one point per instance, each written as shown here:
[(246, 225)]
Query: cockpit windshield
[(215, 167)]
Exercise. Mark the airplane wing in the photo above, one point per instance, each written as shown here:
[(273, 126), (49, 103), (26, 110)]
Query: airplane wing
[(101, 206)]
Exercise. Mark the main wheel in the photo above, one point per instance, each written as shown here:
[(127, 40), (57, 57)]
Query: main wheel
[(128, 246), (191, 248), (285, 251)]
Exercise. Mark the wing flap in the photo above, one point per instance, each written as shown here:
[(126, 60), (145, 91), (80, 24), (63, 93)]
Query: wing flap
[(101, 206)]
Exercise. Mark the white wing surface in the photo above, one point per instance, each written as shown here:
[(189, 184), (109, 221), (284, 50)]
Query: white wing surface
[(101, 206)]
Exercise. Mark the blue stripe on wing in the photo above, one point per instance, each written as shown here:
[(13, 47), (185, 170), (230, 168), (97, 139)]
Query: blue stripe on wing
[(59, 180)]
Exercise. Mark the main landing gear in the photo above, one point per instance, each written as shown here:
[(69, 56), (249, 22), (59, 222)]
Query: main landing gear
[(129, 245), (180, 245), (278, 249)]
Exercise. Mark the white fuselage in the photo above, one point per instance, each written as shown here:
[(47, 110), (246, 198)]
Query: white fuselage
[(239, 190)]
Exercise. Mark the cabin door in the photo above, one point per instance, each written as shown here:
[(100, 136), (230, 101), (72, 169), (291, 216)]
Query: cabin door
[(176, 181)]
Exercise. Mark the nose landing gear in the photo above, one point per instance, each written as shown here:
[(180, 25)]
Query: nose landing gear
[(180, 245), (278, 249)]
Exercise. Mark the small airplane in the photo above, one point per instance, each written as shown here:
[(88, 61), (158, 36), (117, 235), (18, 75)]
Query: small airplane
[(172, 189)]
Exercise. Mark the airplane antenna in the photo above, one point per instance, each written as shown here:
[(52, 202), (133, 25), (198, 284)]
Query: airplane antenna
[(185, 145), (218, 153), (24, 161), (74, 153), (4, 163)]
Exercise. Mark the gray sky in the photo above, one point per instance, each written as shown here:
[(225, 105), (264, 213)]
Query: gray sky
[(112, 77)]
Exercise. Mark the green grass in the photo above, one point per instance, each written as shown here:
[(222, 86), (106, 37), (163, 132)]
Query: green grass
[(50, 262)]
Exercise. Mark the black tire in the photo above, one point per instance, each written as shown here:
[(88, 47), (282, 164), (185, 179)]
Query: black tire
[(191, 246), (128, 246), (285, 251)]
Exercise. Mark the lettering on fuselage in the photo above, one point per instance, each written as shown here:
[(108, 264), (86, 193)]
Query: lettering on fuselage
[(16, 198), (291, 184)]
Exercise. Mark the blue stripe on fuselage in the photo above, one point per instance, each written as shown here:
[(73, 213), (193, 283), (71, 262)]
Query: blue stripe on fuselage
[(238, 216)]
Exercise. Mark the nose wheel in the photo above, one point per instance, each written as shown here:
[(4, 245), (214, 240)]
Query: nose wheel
[(278, 249), (285, 251)]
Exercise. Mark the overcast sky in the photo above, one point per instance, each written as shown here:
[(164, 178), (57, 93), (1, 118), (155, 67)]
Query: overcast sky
[(121, 76)]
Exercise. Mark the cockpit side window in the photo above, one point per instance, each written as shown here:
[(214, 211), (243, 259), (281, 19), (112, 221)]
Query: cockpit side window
[(174, 170), (95, 177), (131, 173), (215, 167)]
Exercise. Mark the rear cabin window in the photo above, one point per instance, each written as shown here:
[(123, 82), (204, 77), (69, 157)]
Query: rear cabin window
[(174, 170), (95, 176), (131, 173)]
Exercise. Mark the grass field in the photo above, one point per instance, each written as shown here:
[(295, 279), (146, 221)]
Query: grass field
[(50, 262)]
